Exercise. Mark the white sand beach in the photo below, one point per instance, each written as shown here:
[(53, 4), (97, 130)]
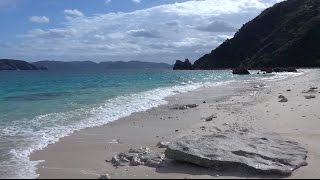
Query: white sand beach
[(250, 105)]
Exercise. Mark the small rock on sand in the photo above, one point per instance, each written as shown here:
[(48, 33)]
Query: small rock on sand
[(210, 118), (310, 97), (310, 91), (115, 160), (135, 162), (105, 176), (115, 141), (163, 144), (283, 98)]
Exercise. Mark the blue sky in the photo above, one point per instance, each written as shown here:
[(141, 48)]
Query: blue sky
[(110, 30)]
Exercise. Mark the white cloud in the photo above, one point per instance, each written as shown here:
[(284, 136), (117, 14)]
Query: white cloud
[(73, 12), (217, 26), (39, 19), (51, 34), (162, 33), (136, 1), (107, 1), (144, 33)]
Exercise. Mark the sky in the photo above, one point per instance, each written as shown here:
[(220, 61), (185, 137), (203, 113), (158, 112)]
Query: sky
[(120, 30)]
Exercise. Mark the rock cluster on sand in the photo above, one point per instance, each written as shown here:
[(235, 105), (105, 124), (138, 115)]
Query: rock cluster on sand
[(310, 91), (240, 150), (137, 157), (182, 107)]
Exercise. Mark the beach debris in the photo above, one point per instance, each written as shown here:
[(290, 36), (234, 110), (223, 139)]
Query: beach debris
[(204, 102), (105, 176), (202, 128), (176, 130), (242, 151), (163, 144), (314, 88), (182, 107), (210, 118), (288, 90), (283, 98), (310, 97), (137, 157)]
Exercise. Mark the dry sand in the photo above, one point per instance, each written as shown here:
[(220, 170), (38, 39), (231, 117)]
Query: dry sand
[(83, 154)]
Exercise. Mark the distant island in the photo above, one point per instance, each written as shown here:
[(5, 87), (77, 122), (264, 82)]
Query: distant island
[(285, 35), (10, 64), (89, 65)]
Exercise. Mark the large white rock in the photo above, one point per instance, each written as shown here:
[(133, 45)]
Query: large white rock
[(240, 150)]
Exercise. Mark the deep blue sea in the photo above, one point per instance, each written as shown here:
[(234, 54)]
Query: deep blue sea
[(39, 107)]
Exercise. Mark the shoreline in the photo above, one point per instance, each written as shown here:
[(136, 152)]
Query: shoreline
[(83, 154)]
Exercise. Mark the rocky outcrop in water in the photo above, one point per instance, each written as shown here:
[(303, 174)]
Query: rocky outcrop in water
[(240, 150), (240, 70), (179, 65)]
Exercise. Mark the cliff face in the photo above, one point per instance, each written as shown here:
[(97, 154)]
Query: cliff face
[(287, 34), (9, 64)]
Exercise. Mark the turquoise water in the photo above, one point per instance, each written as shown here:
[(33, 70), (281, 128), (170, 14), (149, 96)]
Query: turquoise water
[(39, 107)]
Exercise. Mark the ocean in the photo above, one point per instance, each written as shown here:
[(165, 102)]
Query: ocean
[(37, 108)]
